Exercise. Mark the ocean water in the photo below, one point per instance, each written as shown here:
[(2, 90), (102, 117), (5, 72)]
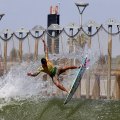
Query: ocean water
[(53, 109)]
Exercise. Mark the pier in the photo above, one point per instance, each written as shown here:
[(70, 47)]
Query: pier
[(102, 78)]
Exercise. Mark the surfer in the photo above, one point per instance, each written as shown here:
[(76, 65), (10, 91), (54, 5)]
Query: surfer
[(49, 68)]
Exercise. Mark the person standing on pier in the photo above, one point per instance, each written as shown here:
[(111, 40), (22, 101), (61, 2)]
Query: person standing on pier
[(49, 68)]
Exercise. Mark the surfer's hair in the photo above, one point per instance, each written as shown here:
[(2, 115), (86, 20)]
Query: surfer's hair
[(43, 61)]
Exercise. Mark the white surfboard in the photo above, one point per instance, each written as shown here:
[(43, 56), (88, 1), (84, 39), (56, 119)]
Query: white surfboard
[(76, 81)]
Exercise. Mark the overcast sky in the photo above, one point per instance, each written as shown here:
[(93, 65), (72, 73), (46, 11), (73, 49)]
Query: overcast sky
[(28, 13)]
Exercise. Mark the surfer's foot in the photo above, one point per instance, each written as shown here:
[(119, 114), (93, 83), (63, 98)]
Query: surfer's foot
[(79, 67), (87, 62), (65, 92)]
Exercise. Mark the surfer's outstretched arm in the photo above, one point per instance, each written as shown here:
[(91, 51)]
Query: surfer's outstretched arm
[(58, 84), (33, 74), (45, 49), (39, 70)]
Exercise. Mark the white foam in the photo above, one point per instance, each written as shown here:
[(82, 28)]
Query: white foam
[(16, 83)]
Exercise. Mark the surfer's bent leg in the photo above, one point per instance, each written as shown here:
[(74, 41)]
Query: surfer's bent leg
[(58, 84), (62, 70)]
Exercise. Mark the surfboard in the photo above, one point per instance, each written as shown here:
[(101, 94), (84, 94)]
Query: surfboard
[(76, 81)]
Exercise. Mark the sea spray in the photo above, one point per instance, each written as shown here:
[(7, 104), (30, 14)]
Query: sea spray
[(16, 83)]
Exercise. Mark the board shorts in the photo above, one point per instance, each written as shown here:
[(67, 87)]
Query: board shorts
[(53, 72)]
